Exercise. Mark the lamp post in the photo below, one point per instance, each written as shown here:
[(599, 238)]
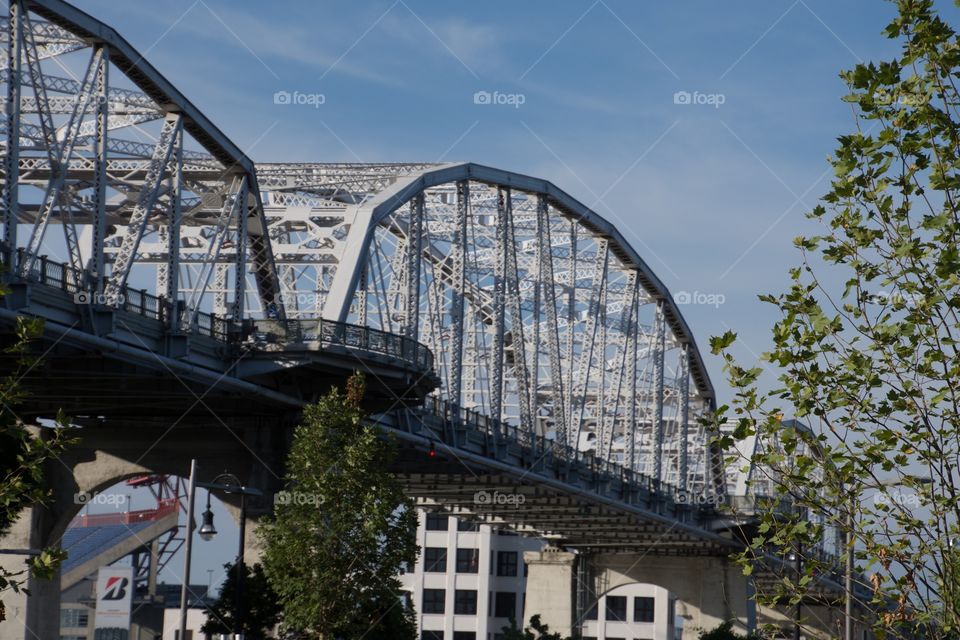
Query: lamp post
[(229, 483), (797, 558), (192, 489)]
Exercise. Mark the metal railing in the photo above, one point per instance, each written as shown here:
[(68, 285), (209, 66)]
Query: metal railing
[(80, 284), (548, 450), (348, 336)]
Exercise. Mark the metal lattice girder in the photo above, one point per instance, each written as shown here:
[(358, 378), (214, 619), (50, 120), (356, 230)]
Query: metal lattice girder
[(148, 198), (60, 163), (11, 165), (532, 303), (114, 197), (658, 389), (579, 398)]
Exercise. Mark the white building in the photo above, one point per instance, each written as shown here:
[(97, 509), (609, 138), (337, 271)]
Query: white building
[(633, 612), (469, 580)]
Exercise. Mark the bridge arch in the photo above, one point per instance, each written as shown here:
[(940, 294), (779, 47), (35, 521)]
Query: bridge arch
[(539, 313)]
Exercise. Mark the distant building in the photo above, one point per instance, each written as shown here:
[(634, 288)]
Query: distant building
[(470, 579), (633, 611)]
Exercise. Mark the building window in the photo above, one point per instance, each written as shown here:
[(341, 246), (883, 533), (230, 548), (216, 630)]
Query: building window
[(468, 560), (434, 559), (74, 617), (464, 635), (506, 563), (437, 521), (643, 609), (431, 635), (505, 604), (433, 600), (591, 613), (467, 525), (616, 608), (465, 602)]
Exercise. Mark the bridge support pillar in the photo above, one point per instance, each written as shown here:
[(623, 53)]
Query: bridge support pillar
[(550, 588), (37, 616), (708, 590)]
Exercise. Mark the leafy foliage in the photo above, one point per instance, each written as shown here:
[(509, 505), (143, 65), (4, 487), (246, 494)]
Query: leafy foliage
[(343, 530), (867, 350), (536, 631), (23, 458), (261, 611), (725, 631)]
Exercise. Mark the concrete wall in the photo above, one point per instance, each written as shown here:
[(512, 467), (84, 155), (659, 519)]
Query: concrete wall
[(708, 590), (551, 581)]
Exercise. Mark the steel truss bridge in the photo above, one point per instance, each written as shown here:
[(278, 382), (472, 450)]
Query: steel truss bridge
[(501, 323)]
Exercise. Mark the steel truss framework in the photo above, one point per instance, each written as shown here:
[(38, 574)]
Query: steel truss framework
[(147, 193), (538, 312)]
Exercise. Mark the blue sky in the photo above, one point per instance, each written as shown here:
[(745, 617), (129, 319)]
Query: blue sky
[(711, 195)]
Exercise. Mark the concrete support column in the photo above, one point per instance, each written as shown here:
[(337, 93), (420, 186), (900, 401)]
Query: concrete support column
[(709, 590), (36, 616), (550, 589)]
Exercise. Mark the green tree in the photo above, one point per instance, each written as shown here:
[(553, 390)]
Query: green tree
[(536, 631), (261, 611), (866, 350), (344, 528), (24, 456), (725, 631)]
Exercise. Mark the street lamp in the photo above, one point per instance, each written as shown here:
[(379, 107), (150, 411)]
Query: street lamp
[(850, 553), (207, 530), (228, 483)]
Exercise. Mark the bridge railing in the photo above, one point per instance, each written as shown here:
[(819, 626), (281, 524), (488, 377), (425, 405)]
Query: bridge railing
[(548, 449), (81, 285), (40, 269), (349, 336)]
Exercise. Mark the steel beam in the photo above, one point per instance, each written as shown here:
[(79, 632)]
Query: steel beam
[(175, 169), (658, 356), (414, 259), (458, 258), (97, 264), (545, 262), (684, 416), (11, 164), (144, 207), (499, 305)]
